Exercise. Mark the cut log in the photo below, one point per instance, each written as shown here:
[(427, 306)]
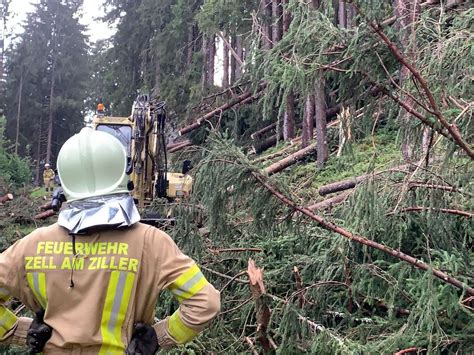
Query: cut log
[(176, 144), (260, 132), (181, 146), (6, 198), (330, 202), (244, 98), (267, 143), (45, 215), (274, 155), (290, 160), (46, 206), (351, 183)]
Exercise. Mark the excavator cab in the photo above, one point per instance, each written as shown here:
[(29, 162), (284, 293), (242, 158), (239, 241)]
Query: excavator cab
[(143, 136)]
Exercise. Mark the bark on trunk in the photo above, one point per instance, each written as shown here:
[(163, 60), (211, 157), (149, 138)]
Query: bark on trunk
[(350, 16), (267, 143), (351, 183), (239, 49), (308, 121), (330, 202), (289, 115), (205, 64), (260, 132), (45, 215), (38, 151), (211, 60), (18, 112), (321, 123), (225, 63), (289, 118), (290, 160), (157, 79), (245, 98), (406, 14), (286, 16), (51, 114), (267, 28), (233, 60), (342, 14), (190, 49), (277, 24)]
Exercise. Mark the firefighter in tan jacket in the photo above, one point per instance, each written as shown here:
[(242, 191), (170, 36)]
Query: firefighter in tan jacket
[(48, 177), (98, 272)]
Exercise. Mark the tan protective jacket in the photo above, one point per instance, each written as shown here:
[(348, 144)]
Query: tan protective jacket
[(93, 300), (48, 174)]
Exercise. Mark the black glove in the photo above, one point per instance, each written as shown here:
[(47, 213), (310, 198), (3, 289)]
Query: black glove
[(144, 340), (38, 334)]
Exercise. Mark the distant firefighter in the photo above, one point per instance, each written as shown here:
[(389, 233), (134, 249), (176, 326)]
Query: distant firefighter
[(48, 177)]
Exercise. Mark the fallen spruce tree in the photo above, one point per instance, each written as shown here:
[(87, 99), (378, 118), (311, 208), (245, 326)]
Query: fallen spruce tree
[(328, 281)]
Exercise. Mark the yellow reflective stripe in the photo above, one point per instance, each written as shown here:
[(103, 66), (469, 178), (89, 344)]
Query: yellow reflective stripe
[(180, 332), (37, 283), (115, 309), (7, 320), (4, 294), (188, 284)]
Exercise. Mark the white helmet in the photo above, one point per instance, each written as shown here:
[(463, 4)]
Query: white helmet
[(92, 163)]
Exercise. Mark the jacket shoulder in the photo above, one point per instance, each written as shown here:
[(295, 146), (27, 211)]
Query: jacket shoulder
[(48, 232)]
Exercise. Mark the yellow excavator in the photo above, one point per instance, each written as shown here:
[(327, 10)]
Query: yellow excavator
[(143, 136)]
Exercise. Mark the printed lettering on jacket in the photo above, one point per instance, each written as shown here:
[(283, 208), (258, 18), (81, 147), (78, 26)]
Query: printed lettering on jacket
[(53, 255)]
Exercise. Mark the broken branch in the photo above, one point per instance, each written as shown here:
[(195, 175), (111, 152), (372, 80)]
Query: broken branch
[(361, 240)]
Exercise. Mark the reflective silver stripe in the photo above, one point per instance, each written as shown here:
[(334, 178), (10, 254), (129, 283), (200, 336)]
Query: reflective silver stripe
[(187, 286), (117, 301)]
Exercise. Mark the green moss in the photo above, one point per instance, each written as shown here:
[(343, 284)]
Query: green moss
[(375, 153)]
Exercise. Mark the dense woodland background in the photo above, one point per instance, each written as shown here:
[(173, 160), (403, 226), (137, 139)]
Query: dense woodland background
[(332, 142)]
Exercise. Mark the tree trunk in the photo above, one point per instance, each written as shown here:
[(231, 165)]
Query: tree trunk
[(51, 114), (277, 25), (3, 32), (342, 17), (38, 151), (350, 16), (225, 63), (239, 49), (321, 123), (190, 48), (18, 112), (289, 118), (267, 28), (211, 60), (157, 79), (286, 17), (289, 115), (205, 63), (233, 61), (290, 160), (308, 121), (406, 16)]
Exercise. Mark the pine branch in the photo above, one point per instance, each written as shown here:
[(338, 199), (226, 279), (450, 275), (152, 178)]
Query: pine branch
[(451, 128), (244, 98), (444, 210), (361, 240)]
